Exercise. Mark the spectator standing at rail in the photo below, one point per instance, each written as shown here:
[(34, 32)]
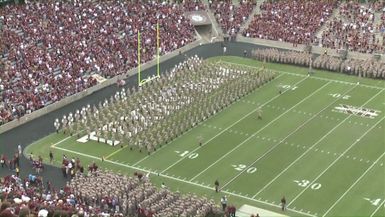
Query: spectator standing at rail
[(50, 156), (19, 149), (3, 160), (224, 203)]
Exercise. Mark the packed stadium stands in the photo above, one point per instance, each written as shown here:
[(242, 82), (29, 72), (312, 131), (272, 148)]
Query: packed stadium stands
[(293, 21), (42, 67), (354, 28), (230, 16)]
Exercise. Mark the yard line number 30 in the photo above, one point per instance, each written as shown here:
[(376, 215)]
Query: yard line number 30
[(304, 183)]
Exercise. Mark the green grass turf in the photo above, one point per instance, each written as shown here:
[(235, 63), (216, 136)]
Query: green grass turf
[(323, 162)]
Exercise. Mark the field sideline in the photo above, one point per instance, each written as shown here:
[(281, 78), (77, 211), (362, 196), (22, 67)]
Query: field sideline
[(315, 145)]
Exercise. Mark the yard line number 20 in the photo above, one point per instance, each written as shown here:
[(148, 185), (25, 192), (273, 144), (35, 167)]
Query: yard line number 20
[(241, 167)]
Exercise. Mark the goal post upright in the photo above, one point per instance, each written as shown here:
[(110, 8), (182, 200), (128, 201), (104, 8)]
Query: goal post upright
[(139, 79), (157, 49), (157, 58)]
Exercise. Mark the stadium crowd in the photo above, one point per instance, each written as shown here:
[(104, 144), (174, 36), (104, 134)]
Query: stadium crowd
[(354, 28), (371, 68), (231, 17), (51, 48), (293, 21), (136, 195), (97, 193), (193, 5)]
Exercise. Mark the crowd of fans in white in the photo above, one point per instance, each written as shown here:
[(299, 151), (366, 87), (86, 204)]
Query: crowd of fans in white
[(51, 48)]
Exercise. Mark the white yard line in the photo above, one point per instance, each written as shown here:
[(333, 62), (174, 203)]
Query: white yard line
[(57, 143), (247, 139), (311, 147), (343, 153), (378, 208), (281, 141), (343, 195), (141, 160), (314, 77), (224, 130), (182, 180)]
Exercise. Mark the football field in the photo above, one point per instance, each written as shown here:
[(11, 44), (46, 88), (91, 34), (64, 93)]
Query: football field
[(320, 143)]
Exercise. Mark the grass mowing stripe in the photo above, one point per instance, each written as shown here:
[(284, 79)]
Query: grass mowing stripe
[(181, 180), (378, 208), (224, 130), (314, 77), (343, 153), (144, 158), (281, 141), (311, 147), (343, 195), (239, 145)]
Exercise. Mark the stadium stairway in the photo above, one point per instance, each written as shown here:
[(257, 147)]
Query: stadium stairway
[(320, 31), (377, 22), (216, 29), (257, 10)]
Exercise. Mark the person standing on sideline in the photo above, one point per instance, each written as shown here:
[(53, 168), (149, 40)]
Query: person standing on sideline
[(224, 49), (283, 203), (17, 171), (50, 156), (224, 203), (200, 140), (216, 183), (19, 149), (259, 112)]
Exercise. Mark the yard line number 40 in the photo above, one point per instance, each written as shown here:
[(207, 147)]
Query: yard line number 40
[(187, 154)]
